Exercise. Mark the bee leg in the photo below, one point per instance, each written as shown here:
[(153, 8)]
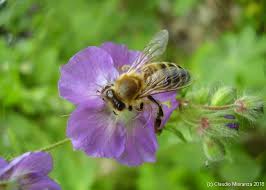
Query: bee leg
[(159, 117), (140, 108)]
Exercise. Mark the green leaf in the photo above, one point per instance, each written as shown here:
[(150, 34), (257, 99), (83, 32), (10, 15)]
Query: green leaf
[(233, 170)]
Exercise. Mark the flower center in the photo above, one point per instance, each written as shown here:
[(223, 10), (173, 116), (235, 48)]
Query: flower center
[(127, 116)]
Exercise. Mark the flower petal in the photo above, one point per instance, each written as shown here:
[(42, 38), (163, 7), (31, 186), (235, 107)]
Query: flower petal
[(84, 73), (45, 183), (94, 130), (120, 54), (3, 163), (133, 56), (35, 162), (141, 142)]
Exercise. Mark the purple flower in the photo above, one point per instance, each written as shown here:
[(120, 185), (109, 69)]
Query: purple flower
[(128, 137), (28, 171)]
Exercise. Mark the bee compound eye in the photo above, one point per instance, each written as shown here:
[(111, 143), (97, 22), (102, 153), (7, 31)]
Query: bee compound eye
[(109, 94), (119, 106)]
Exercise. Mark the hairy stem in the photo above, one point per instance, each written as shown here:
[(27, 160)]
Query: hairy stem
[(225, 107), (186, 103), (47, 148), (55, 145)]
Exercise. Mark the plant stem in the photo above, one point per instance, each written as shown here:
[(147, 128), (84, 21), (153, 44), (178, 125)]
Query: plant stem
[(47, 148), (185, 103), (55, 145), (225, 107)]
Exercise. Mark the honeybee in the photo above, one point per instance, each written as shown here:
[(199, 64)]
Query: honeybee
[(144, 78)]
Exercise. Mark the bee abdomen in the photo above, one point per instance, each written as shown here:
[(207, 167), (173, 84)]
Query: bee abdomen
[(149, 70), (182, 79), (165, 75), (152, 68)]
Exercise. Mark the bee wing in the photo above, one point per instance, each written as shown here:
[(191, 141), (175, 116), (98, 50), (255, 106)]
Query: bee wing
[(165, 80), (154, 49)]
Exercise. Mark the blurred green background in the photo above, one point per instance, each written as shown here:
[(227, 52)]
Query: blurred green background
[(219, 41)]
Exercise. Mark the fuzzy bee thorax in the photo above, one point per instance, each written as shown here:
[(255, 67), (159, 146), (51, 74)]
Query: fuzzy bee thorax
[(128, 86)]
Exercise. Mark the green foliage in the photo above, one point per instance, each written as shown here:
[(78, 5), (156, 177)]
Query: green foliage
[(37, 37), (183, 7), (235, 59), (233, 170)]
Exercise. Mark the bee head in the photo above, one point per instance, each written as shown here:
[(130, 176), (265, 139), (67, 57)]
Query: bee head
[(108, 94)]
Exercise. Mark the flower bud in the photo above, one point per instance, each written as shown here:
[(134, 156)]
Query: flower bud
[(229, 116), (232, 122), (250, 107), (217, 125), (213, 149), (233, 125), (223, 96), (199, 95)]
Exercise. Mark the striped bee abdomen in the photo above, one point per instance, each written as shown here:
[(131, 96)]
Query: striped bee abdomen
[(164, 76)]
